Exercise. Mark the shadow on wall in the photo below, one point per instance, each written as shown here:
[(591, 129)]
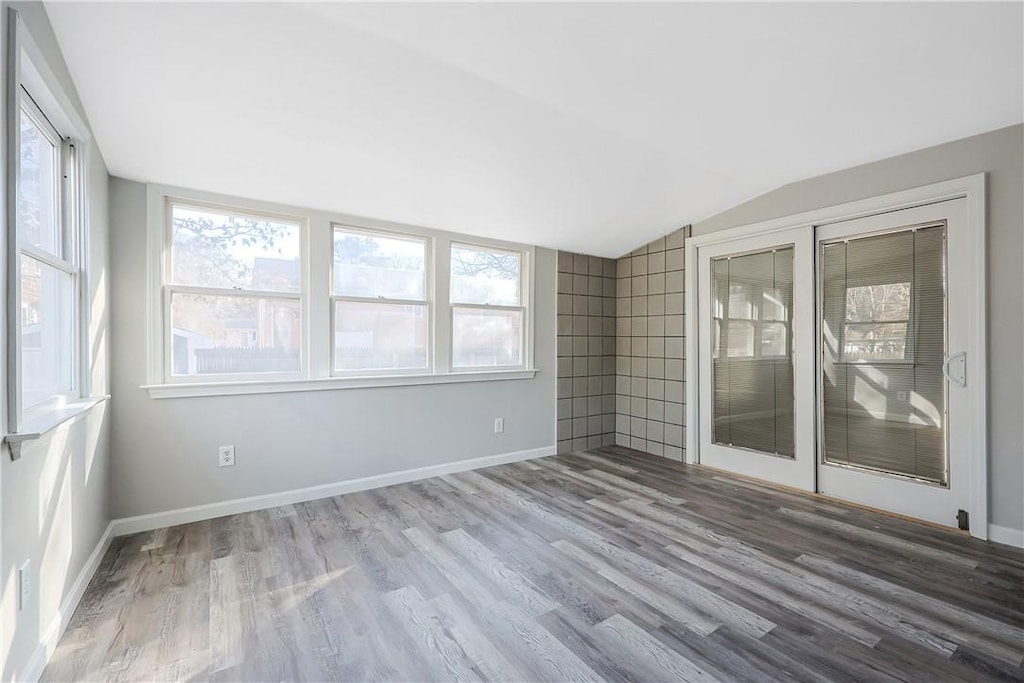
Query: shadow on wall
[(44, 498)]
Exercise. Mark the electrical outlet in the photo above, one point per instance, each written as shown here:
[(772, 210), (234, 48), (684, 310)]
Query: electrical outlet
[(901, 396), (24, 584), (499, 425), (226, 456)]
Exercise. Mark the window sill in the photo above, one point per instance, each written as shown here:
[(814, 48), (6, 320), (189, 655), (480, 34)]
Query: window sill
[(187, 390), (41, 426)]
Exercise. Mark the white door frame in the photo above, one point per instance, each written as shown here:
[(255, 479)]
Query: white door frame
[(972, 188)]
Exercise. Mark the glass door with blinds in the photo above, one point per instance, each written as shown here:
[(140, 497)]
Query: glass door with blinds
[(832, 358), (891, 372), (755, 351)]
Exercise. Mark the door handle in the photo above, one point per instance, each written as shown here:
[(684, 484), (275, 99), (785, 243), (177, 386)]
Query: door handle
[(955, 368)]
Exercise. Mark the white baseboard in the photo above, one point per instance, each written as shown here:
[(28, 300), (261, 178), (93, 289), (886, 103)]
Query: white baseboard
[(197, 513), (48, 643), (1006, 535)]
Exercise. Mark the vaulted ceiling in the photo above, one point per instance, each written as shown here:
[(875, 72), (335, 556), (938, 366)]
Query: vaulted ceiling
[(587, 127)]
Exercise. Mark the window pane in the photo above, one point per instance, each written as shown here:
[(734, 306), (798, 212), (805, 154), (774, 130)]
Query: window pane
[(379, 336), (883, 397), (379, 266), (485, 276), (216, 249), (47, 332), (213, 335), (752, 365), (486, 338), (38, 184)]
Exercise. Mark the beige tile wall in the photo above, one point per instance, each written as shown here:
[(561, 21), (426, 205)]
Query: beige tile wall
[(649, 354), (586, 352)]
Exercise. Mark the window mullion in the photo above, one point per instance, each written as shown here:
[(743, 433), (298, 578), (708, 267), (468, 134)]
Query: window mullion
[(442, 347), (318, 308)]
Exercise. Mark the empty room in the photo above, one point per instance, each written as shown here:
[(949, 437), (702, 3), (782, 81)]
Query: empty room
[(512, 341)]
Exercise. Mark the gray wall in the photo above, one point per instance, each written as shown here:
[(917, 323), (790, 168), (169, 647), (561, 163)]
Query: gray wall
[(164, 451), (586, 352), (999, 154), (649, 411), (53, 501)]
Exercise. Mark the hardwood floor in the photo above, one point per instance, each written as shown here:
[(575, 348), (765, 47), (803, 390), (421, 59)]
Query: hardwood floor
[(604, 565)]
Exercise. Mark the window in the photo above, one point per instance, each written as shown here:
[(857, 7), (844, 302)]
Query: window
[(487, 310), (233, 294), (253, 298), (752, 361), (48, 336), (380, 303)]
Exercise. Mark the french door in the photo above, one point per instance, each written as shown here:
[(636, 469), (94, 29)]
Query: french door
[(893, 393), (756, 350), (832, 358)]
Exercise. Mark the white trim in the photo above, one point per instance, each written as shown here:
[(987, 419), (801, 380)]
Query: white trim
[(159, 520), (51, 637), (973, 188), (956, 188), (45, 87), (691, 361), (1006, 535), (49, 421), (977, 364), (285, 386)]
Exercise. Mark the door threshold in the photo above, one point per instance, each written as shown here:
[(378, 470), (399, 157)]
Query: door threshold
[(833, 499)]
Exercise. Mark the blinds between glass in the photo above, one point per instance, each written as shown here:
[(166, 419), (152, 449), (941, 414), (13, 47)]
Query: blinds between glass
[(883, 336)]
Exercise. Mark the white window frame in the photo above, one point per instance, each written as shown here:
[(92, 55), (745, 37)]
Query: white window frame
[(523, 307), (32, 85), (169, 289), (427, 302), (318, 304), (65, 262)]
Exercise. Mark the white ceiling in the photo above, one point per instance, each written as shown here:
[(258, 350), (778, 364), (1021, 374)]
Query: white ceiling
[(587, 127)]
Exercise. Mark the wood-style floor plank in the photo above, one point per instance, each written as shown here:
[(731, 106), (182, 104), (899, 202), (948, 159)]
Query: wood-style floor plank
[(603, 565)]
